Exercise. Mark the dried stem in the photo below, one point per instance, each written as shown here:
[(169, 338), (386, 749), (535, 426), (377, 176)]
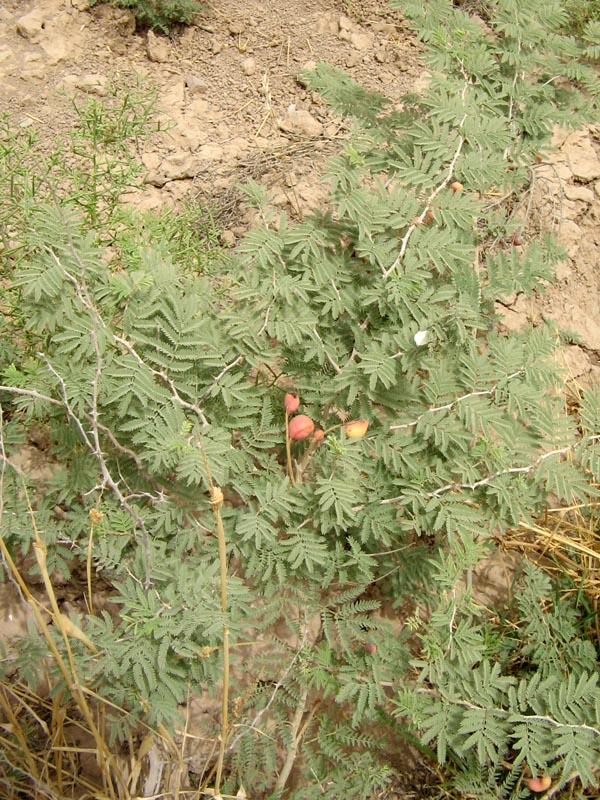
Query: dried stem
[(288, 450)]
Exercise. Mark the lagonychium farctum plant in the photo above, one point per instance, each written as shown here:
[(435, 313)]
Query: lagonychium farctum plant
[(370, 425)]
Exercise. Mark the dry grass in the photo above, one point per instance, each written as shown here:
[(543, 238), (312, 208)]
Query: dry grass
[(566, 544)]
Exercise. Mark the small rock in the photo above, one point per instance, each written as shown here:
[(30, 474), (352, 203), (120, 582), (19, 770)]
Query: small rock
[(150, 199), (327, 23), (362, 40), (345, 24), (31, 25), (217, 47), (158, 48), (300, 123), (121, 20), (353, 60), (92, 83), (387, 28), (175, 167), (575, 192), (195, 85), (308, 65), (555, 173), (581, 157), (228, 238), (381, 55), (236, 27), (249, 66)]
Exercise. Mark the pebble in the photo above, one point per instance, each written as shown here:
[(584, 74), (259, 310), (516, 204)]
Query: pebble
[(362, 40), (31, 25), (249, 66), (92, 83), (300, 123), (158, 48), (195, 85), (327, 23)]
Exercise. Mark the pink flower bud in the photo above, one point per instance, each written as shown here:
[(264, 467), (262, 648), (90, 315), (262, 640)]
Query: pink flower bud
[(301, 427), (291, 402)]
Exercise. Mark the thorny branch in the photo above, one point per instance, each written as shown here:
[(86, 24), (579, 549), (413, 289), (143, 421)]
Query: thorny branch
[(453, 403), (485, 481), (507, 713)]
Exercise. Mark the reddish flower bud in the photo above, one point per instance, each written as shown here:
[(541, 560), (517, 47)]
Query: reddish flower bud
[(318, 435), (301, 427), (370, 647), (457, 186), (356, 429), (291, 402)]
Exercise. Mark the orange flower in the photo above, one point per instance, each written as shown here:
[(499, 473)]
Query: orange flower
[(356, 429)]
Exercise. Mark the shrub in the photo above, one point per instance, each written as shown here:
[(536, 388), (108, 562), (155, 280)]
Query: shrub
[(160, 15), (176, 480)]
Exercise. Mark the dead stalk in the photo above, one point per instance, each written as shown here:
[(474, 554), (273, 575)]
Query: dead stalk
[(216, 501), (288, 450), (69, 672), (297, 734)]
